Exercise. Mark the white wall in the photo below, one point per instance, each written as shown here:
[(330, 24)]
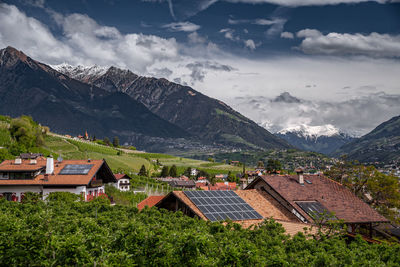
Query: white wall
[(18, 189)]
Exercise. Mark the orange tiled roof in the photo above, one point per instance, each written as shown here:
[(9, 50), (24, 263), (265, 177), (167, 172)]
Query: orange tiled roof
[(332, 195), (53, 179), (121, 175), (150, 202)]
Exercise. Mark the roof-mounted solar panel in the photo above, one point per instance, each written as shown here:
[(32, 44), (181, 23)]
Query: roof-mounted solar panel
[(222, 205), (76, 169), (315, 210)]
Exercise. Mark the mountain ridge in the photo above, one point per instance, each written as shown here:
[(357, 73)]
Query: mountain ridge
[(382, 144), (210, 119), (70, 106)]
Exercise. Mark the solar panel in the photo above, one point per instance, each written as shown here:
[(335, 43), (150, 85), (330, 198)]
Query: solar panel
[(76, 169), (221, 205), (315, 209)]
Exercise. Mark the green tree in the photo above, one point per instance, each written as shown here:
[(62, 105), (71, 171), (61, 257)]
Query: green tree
[(142, 171), (116, 141), (188, 172), (260, 164), (232, 178), (107, 141), (273, 166), (164, 171), (173, 172)]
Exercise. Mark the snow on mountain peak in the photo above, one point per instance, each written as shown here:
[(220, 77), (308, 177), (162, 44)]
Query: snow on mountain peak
[(312, 131), (79, 72)]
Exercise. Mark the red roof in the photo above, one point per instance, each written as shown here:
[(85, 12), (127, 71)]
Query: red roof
[(334, 196), (121, 175), (52, 179), (150, 202), (217, 186)]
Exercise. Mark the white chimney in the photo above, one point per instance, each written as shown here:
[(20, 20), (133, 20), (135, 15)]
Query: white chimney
[(301, 178), (50, 165), (299, 172), (18, 161)]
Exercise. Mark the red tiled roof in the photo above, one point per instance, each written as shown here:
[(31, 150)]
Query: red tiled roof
[(53, 179), (121, 175), (150, 202), (332, 195)]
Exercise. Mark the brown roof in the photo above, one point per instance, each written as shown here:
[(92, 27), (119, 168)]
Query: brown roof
[(121, 175), (332, 195), (150, 202), (257, 202), (53, 179)]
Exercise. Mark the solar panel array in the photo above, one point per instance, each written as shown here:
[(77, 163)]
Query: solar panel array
[(76, 169), (315, 209), (221, 205)]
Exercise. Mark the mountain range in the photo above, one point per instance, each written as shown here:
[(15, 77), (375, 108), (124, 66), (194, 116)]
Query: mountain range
[(211, 120), (380, 145), (150, 113), (322, 139)]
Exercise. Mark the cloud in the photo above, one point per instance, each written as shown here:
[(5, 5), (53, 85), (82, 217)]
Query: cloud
[(199, 69), (356, 116), (182, 26), (84, 42), (374, 44), (262, 22), (250, 44), (287, 35), (229, 34)]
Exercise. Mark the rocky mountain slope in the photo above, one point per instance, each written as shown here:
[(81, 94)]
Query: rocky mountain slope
[(70, 106), (380, 145), (323, 139), (212, 121)]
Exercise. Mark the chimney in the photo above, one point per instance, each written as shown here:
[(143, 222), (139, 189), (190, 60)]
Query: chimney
[(33, 162), (299, 172), (50, 165), (18, 161)]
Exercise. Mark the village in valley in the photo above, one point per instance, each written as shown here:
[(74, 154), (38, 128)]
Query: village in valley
[(301, 199)]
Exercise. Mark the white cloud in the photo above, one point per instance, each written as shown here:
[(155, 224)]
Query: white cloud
[(287, 35), (182, 26), (374, 44), (84, 42), (250, 44), (229, 34)]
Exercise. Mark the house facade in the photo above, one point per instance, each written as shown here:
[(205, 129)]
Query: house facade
[(123, 181), (45, 175)]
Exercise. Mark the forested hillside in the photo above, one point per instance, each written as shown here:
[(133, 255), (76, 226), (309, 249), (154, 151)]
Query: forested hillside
[(63, 232)]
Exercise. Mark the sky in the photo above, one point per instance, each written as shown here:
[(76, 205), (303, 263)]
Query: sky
[(282, 63)]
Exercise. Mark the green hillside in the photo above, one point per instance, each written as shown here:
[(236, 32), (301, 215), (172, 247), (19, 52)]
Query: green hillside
[(380, 145)]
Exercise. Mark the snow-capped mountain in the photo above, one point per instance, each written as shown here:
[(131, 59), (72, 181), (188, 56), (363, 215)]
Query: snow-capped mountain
[(80, 72), (323, 138)]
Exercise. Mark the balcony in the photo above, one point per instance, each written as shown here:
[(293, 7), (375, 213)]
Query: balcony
[(123, 184), (96, 183)]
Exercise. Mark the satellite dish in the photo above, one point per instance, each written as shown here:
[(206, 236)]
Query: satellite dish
[(59, 159)]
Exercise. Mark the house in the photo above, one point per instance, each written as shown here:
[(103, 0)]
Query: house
[(193, 172), (123, 181), (182, 184), (246, 207), (308, 196), (149, 202), (44, 175)]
